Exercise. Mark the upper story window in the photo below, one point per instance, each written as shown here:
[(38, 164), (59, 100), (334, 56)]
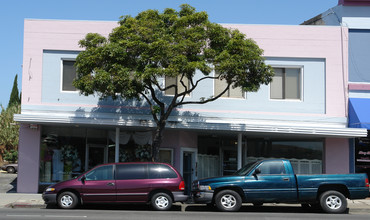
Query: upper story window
[(69, 74), (220, 85), (176, 81), (286, 84)]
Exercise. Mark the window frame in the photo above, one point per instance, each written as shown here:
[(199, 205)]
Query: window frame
[(244, 94), (62, 74), (165, 92), (301, 81)]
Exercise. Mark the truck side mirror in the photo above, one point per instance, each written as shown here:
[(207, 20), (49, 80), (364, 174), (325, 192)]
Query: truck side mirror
[(256, 172)]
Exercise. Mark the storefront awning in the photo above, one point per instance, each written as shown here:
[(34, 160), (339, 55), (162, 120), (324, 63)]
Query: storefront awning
[(359, 113)]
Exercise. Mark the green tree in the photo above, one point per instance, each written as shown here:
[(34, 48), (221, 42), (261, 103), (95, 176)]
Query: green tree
[(9, 129), (14, 95), (132, 62)]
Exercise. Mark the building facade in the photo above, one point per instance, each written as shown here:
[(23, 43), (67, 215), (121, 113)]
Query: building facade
[(302, 115), (355, 15)]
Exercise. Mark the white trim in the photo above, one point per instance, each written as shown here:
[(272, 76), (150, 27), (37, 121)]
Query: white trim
[(316, 129), (61, 75), (356, 22), (301, 99), (170, 149)]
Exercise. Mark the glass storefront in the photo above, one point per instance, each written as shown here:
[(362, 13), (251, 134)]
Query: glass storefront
[(218, 155), (66, 152), (362, 154)]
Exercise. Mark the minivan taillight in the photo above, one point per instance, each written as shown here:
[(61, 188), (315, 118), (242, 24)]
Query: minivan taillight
[(182, 185), (367, 182)]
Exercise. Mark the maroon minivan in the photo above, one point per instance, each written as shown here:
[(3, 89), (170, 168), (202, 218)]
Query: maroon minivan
[(143, 182)]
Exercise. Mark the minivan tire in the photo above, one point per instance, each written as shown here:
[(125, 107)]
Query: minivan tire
[(67, 200), (228, 201), (161, 201), (10, 169), (333, 202)]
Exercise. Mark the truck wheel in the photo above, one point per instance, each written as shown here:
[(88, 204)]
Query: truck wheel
[(228, 201), (161, 202), (333, 202), (67, 200)]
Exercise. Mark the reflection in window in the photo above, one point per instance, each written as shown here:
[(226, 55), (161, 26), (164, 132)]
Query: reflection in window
[(69, 74), (220, 85), (286, 84), (131, 171), (272, 168), (160, 171), (101, 173)]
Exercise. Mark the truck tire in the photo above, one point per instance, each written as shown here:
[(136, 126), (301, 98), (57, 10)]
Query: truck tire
[(228, 201), (333, 202)]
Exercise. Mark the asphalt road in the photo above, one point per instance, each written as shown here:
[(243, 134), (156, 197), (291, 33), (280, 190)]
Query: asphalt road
[(8, 182), (93, 214)]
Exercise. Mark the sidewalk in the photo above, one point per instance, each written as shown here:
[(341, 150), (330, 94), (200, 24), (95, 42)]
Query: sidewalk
[(21, 200)]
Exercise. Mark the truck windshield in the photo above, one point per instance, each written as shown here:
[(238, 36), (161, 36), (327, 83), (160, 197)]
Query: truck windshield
[(246, 169)]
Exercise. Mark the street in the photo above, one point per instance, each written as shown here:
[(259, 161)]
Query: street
[(278, 213), (8, 182)]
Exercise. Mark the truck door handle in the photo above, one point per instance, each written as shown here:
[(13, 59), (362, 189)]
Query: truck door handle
[(285, 179), (110, 184)]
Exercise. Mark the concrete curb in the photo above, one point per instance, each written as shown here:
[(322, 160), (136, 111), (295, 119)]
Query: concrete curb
[(24, 205)]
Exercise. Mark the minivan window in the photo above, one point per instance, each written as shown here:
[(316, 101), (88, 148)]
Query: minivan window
[(101, 173), (161, 171), (131, 171)]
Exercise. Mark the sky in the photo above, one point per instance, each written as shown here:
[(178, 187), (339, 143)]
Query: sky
[(13, 13)]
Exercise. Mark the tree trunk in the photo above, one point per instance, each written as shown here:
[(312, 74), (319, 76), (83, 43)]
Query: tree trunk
[(158, 140)]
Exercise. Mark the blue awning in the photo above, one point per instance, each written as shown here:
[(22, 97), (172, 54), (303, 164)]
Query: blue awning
[(359, 113)]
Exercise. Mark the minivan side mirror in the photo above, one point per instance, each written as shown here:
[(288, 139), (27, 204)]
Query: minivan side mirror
[(83, 178), (256, 172)]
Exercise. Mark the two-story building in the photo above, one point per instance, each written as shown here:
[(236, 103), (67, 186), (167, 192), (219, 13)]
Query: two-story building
[(301, 115), (355, 15)]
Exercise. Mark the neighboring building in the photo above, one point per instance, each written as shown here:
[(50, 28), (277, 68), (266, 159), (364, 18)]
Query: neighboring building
[(301, 115), (355, 15)]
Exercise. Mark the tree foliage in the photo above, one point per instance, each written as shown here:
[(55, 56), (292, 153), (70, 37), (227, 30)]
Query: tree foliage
[(9, 129), (14, 95), (132, 62)]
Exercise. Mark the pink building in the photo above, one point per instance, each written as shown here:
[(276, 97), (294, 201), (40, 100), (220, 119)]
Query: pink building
[(308, 126)]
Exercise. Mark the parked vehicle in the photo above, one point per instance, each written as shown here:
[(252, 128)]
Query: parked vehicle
[(145, 182), (273, 181), (10, 168)]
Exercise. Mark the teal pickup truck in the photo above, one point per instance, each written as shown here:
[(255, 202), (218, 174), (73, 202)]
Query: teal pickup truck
[(274, 181)]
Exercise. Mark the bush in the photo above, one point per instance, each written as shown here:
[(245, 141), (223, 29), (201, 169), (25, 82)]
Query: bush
[(11, 155)]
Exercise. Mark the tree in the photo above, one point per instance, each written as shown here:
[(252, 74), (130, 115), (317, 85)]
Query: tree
[(9, 130), (142, 50), (14, 95)]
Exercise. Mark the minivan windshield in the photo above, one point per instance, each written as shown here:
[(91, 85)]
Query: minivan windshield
[(246, 169)]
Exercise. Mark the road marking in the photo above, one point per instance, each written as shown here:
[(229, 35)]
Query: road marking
[(48, 216), (68, 216)]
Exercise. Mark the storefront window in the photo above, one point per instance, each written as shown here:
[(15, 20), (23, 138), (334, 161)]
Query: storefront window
[(305, 156), (363, 155), (62, 154)]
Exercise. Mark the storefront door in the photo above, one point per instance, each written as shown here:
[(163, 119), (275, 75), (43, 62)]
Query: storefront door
[(96, 154), (229, 161)]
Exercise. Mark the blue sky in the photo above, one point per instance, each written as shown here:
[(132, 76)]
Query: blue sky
[(13, 13)]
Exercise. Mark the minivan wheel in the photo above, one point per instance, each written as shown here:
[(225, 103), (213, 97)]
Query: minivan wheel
[(228, 201), (67, 200), (161, 201), (10, 170), (333, 202)]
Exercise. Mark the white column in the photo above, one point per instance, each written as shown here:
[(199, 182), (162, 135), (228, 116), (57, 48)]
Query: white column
[(240, 139), (116, 158)]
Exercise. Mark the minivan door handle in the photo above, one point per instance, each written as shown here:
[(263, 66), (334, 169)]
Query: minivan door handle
[(110, 184)]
